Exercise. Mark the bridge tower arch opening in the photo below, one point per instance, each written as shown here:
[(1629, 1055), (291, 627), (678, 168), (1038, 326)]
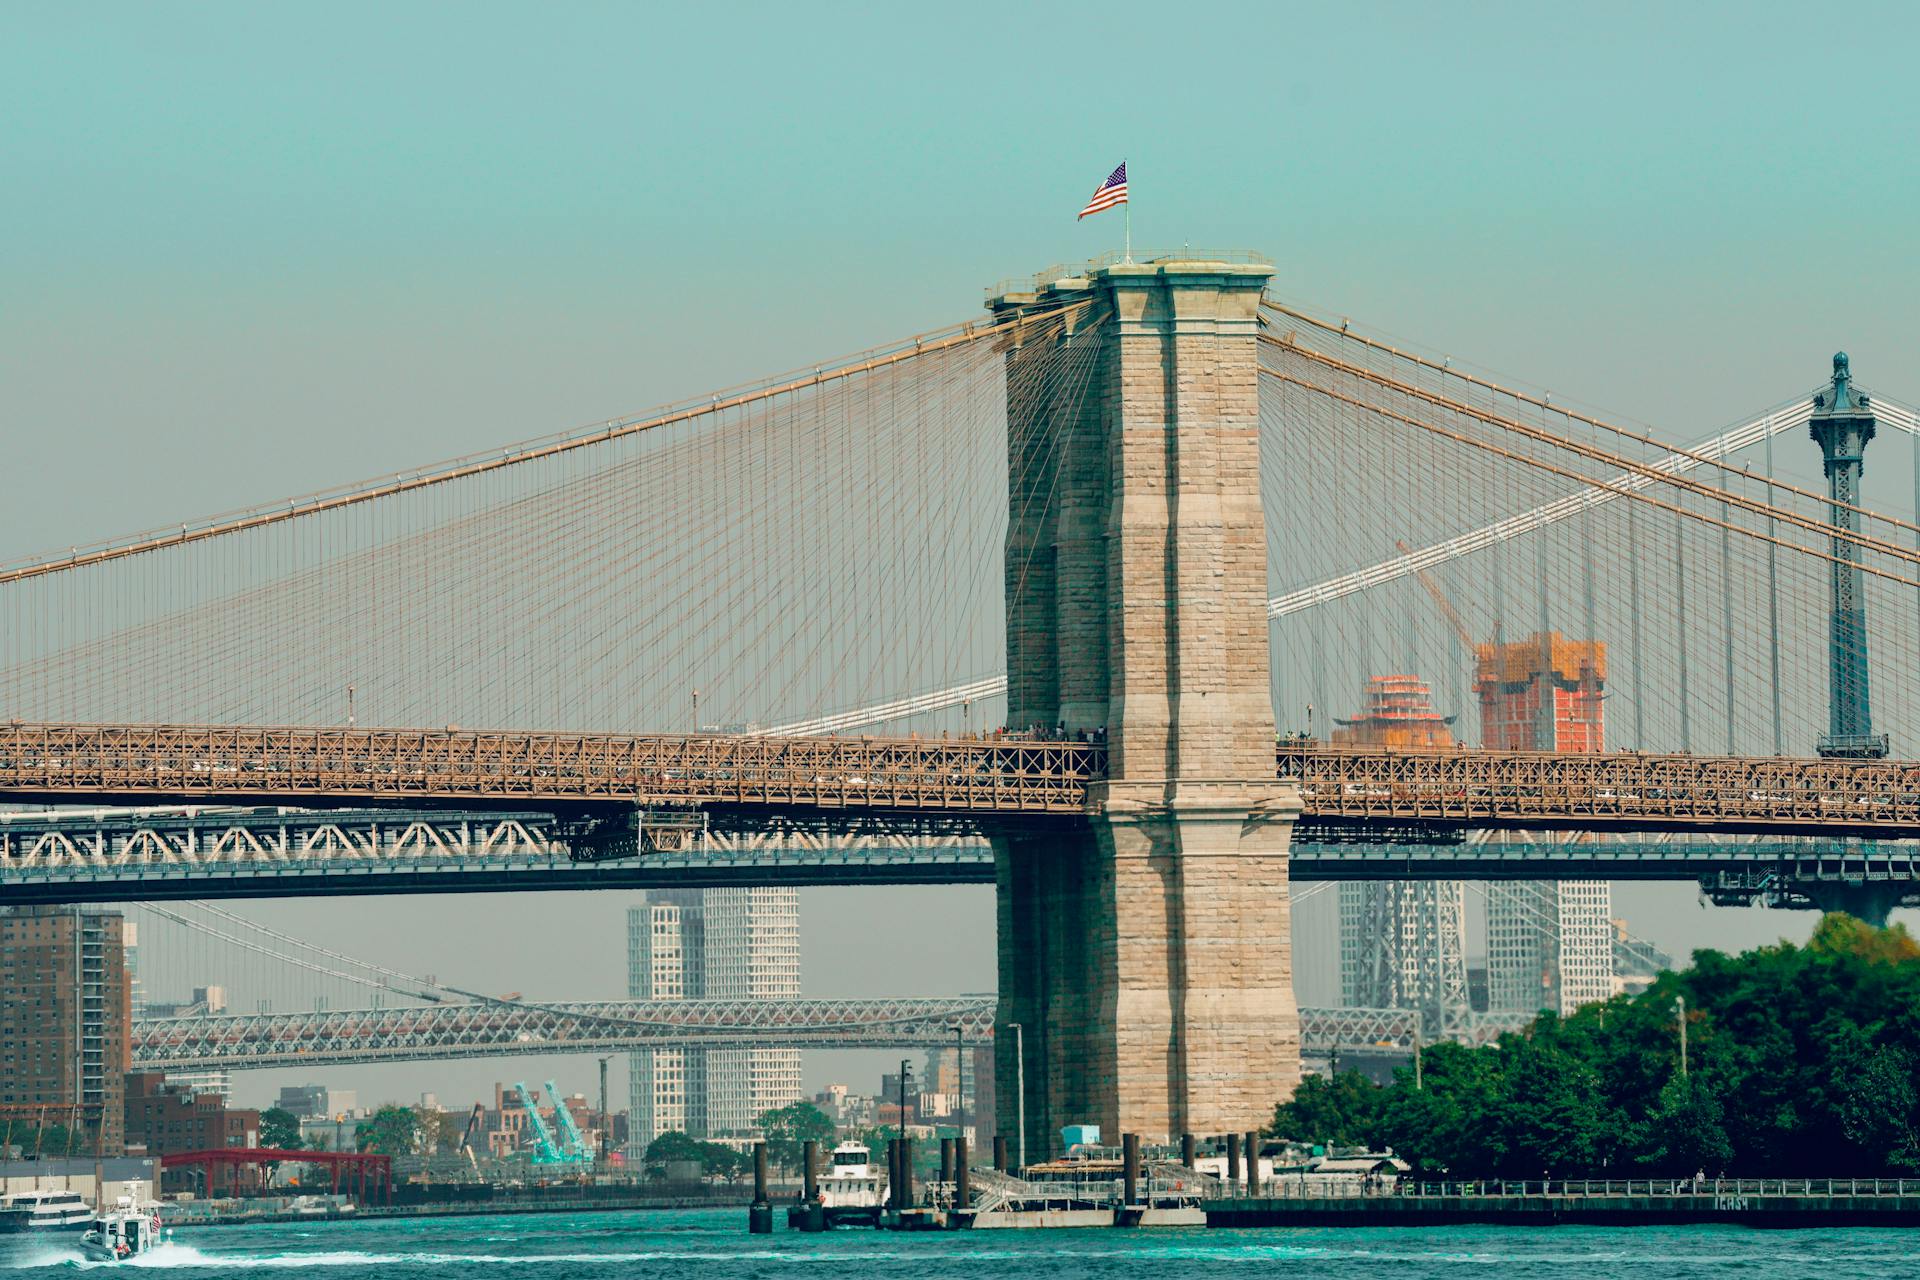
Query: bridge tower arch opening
[(1144, 949)]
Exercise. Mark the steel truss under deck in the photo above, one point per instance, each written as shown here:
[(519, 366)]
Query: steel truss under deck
[(498, 1028), (217, 852)]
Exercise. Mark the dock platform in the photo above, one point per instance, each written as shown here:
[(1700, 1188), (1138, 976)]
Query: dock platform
[(1769, 1202)]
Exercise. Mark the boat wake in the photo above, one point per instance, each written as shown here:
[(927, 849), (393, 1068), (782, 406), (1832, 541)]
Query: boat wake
[(167, 1256), (161, 1255)]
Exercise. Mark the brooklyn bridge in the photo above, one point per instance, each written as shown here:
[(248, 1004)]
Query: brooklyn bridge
[(1059, 597)]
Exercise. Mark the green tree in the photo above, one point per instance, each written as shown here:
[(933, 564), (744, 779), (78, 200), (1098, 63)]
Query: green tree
[(439, 1132), (725, 1162), (279, 1128), (1804, 1062), (1686, 1133), (1556, 1121), (788, 1127), (1839, 934), (51, 1139), (1344, 1110), (674, 1147), (392, 1130), (1445, 1126), (1881, 1110)]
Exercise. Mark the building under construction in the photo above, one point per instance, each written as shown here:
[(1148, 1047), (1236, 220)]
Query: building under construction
[(1541, 694), (1399, 713)]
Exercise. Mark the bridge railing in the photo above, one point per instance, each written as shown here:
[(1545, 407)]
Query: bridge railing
[(911, 779), (55, 762), (1601, 791)]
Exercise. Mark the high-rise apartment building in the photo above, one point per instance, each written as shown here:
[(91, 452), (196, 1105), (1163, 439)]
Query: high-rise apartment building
[(1549, 942), (663, 963), (213, 1084), (64, 1004), (712, 944), (317, 1101), (752, 952), (136, 994)]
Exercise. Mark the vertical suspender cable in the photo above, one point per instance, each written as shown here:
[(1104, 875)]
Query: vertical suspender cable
[(1726, 612), (1773, 596), (1680, 627)]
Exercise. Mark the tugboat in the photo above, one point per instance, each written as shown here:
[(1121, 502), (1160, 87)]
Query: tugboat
[(850, 1193), (121, 1233)]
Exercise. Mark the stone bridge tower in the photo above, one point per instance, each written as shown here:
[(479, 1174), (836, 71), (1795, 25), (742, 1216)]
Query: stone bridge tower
[(1145, 953)]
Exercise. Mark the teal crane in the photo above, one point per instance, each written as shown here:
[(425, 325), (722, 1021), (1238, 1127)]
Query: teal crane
[(545, 1151), (575, 1141)]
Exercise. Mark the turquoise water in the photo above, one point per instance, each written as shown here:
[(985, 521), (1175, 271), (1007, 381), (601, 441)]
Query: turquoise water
[(714, 1245)]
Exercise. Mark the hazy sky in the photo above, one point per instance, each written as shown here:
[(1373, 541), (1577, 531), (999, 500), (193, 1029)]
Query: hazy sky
[(247, 251)]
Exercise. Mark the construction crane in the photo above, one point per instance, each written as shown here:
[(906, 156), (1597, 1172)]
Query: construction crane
[(1447, 610), (545, 1151), (473, 1126), (575, 1141)]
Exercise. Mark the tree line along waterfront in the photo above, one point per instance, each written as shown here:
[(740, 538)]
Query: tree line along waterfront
[(1799, 1061)]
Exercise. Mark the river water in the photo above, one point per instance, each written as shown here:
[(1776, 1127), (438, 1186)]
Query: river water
[(714, 1245)]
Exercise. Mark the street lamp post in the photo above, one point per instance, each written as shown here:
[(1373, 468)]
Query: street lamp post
[(1680, 1014), (606, 1120), (1020, 1092)]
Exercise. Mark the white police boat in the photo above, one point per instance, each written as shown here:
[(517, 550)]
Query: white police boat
[(121, 1233)]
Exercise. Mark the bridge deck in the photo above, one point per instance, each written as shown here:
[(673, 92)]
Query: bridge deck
[(1606, 791), (908, 781), (262, 765)]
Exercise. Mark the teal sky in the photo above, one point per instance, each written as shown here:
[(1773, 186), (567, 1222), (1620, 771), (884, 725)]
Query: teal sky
[(251, 250), (246, 250)]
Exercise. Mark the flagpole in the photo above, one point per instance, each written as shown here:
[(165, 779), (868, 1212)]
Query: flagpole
[(1129, 218)]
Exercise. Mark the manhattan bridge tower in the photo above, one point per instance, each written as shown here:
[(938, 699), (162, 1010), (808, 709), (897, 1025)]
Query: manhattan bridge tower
[(1841, 425)]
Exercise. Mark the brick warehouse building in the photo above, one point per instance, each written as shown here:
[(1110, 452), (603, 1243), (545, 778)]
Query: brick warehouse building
[(171, 1118)]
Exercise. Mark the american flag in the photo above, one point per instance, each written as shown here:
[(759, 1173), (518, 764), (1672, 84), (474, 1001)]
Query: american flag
[(1112, 192)]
